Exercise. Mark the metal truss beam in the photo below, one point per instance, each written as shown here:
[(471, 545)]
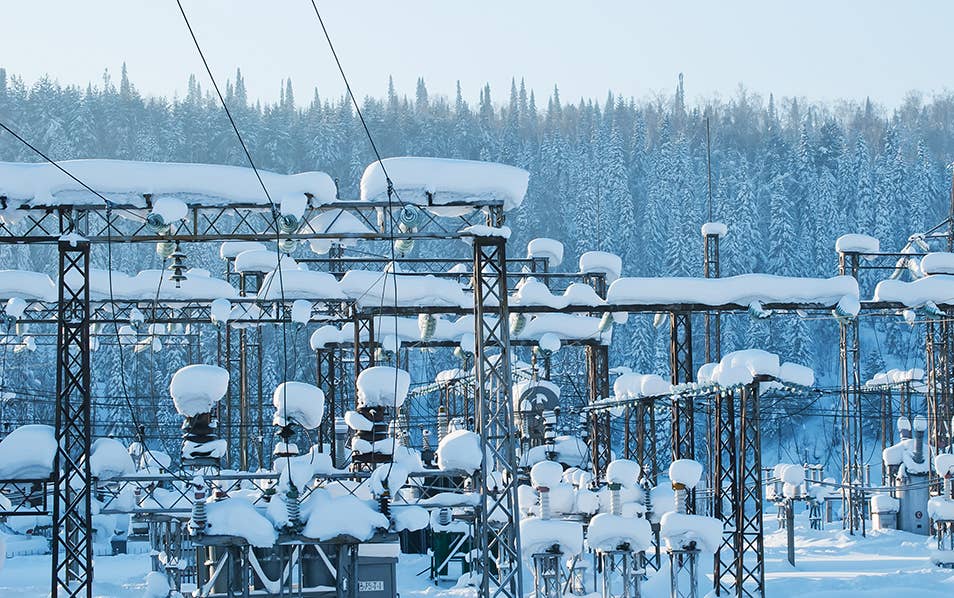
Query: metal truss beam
[(498, 536), (72, 546), (238, 222)]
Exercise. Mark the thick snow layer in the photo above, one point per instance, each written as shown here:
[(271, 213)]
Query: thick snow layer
[(680, 530), (938, 263), (570, 451), (199, 284), (944, 464), (262, 260), (389, 476), (549, 342), (533, 292), (896, 376), (718, 229), (857, 243), (790, 473), (539, 535), (157, 586), (446, 181), (941, 507), (794, 373), (732, 290), (740, 367), (565, 326), (328, 517), (686, 472), (230, 249), (410, 518), (547, 474), (623, 471), (170, 209), (109, 458), (377, 288), (937, 288), (236, 516), (634, 386), (460, 450), (550, 249), (324, 336), (28, 452), (301, 311), (602, 262), (376, 386), (298, 402), (356, 421), (885, 503), (24, 284), (195, 388), (299, 284), (482, 230), (608, 532), (127, 181), (220, 310)]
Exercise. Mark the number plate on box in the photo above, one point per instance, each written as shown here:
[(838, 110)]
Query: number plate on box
[(371, 586)]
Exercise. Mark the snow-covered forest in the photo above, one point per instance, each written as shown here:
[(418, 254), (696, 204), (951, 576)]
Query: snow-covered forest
[(618, 174)]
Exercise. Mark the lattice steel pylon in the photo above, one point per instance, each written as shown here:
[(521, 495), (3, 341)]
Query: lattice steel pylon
[(72, 546), (940, 371), (597, 382), (739, 564), (683, 406), (325, 379), (725, 490), (750, 551), (498, 532), (852, 438)]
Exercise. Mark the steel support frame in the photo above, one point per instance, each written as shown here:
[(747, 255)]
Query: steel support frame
[(325, 368), (498, 532), (939, 346), (852, 437), (750, 548), (639, 436), (597, 384), (725, 490), (72, 542), (683, 406)]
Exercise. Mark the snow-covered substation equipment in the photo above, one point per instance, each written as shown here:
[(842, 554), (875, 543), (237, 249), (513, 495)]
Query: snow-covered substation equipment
[(517, 473)]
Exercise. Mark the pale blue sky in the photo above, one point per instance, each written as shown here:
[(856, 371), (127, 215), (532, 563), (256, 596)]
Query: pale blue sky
[(809, 48)]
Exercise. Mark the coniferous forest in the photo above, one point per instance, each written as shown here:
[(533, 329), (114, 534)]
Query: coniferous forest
[(627, 175)]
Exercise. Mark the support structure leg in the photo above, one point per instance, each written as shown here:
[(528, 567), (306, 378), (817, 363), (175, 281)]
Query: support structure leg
[(72, 546)]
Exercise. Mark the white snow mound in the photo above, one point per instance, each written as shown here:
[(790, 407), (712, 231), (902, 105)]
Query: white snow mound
[(298, 402), (195, 388)]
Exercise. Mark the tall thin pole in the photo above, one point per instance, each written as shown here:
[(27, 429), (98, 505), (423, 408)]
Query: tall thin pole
[(709, 172)]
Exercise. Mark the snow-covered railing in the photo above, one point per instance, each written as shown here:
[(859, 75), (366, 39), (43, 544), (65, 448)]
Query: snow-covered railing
[(741, 291)]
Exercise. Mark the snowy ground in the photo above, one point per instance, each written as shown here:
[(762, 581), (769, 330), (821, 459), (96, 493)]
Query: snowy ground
[(829, 563)]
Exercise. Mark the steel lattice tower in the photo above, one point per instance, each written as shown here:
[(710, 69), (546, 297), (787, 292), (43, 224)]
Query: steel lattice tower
[(72, 547), (498, 531)]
